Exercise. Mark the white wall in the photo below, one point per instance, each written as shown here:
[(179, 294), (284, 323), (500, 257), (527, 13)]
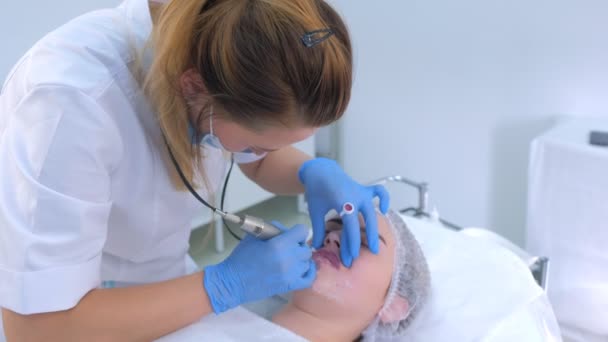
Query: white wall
[(452, 92), (23, 22)]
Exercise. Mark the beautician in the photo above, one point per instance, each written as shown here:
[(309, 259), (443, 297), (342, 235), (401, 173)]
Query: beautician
[(94, 217)]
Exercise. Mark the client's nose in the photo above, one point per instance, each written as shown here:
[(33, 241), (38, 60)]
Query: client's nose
[(332, 240)]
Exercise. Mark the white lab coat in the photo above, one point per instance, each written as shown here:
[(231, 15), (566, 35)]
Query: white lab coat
[(85, 195)]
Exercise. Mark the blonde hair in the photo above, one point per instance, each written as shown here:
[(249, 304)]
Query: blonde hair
[(253, 64)]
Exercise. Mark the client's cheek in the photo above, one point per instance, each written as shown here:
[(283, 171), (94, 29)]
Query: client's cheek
[(334, 286), (373, 272)]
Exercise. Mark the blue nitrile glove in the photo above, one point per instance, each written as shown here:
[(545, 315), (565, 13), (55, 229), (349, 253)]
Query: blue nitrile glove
[(328, 187), (258, 269)]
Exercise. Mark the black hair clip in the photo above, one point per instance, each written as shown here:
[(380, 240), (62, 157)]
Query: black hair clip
[(315, 37)]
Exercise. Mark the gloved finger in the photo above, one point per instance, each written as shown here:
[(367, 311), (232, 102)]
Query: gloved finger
[(279, 225), (352, 228), (304, 253), (306, 278), (296, 235), (295, 274), (345, 255), (247, 238), (309, 277), (382, 194), (317, 218), (371, 227)]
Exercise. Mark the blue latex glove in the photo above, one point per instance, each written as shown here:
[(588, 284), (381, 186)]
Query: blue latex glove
[(329, 187), (258, 269)]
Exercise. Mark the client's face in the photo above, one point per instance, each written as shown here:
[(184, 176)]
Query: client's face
[(358, 291)]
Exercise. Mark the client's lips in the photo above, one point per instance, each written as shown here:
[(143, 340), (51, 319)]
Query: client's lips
[(327, 255)]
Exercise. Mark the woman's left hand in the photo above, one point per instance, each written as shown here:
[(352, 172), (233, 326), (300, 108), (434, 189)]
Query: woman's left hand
[(328, 187)]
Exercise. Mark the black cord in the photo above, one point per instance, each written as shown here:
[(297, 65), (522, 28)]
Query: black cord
[(224, 197), (184, 180), (196, 195)]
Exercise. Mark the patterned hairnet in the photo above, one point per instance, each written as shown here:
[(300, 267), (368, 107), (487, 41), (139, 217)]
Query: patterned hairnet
[(411, 281)]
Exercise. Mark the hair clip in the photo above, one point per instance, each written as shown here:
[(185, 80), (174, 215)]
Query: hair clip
[(315, 37)]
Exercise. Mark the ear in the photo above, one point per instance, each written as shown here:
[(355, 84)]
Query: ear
[(398, 310), (192, 84)]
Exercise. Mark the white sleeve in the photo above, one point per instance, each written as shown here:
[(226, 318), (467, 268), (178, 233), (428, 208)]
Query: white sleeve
[(57, 152)]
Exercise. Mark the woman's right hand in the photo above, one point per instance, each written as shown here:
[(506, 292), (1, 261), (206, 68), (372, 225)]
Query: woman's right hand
[(259, 269)]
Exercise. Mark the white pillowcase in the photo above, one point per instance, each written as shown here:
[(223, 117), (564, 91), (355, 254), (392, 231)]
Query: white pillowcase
[(479, 292)]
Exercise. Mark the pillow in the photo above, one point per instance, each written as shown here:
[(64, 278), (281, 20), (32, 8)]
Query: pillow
[(477, 287)]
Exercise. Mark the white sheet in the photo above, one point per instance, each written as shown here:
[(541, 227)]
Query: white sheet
[(480, 292)]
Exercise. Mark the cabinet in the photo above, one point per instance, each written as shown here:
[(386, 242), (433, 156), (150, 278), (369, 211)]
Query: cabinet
[(567, 215)]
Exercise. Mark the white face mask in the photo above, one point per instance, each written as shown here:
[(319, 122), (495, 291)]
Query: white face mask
[(212, 140), (208, 139)]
